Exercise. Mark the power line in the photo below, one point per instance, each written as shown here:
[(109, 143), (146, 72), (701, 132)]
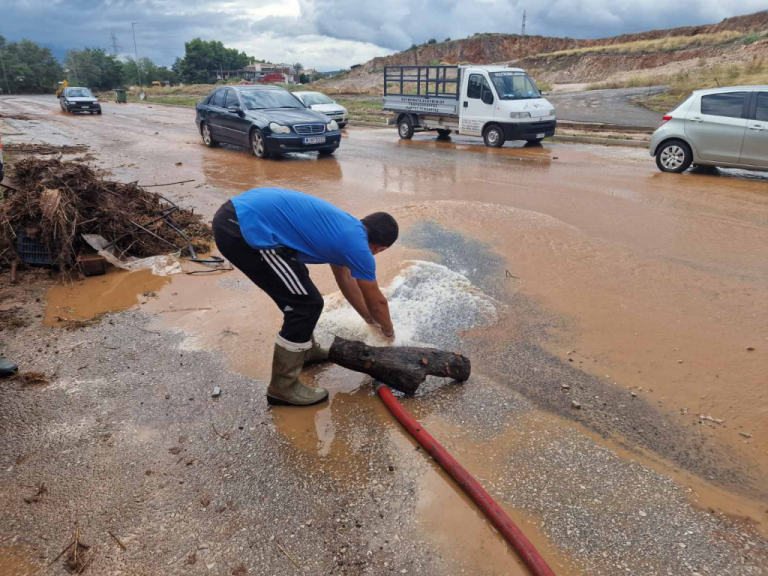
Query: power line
[(114, 47), (522, 33)]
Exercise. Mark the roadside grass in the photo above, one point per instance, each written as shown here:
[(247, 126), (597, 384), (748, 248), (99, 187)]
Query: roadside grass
[(364, 109), (667, 44), (754, 72)]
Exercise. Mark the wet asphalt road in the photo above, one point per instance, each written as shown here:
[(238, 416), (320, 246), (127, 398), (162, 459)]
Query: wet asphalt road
[(606, 106), (536, 231)]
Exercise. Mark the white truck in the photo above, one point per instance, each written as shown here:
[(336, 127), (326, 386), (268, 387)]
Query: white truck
[(495, 102)]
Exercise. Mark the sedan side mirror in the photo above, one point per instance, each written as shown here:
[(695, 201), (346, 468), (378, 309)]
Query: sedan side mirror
[(487, 98), (235, 110)]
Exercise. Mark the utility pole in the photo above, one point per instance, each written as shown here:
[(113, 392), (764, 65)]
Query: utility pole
[(114, 46), (136, 50), (74, 63), (523, 30), (8, 86)]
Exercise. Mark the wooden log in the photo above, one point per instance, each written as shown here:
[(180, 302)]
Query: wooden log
[(402, 367)]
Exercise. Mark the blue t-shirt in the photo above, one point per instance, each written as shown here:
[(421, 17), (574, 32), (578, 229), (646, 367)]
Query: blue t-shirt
[(320, 232)]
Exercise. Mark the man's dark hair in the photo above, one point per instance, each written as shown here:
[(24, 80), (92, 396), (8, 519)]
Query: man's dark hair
[(382, 229)]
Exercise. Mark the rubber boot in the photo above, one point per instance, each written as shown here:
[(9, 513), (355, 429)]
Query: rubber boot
[(285, 388), (316, 354), (7, 368)]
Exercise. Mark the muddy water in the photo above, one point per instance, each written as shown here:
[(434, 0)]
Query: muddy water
[(88, 298), (14, 562)]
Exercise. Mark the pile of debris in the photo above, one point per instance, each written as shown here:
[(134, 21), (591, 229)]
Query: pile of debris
[(55, 202)]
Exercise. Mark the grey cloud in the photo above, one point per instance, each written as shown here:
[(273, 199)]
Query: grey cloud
[(345, 30)]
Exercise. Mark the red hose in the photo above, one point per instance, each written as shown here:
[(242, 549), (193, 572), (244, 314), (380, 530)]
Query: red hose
[(493, 511)]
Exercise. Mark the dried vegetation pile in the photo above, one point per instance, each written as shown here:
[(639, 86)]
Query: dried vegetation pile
[(56, 202)]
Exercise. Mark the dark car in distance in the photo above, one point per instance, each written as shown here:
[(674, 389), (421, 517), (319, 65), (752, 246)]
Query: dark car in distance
[(267, 119), (74, 99)]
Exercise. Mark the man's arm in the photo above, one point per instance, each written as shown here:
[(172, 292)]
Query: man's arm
[(351, 291), (377, 305)]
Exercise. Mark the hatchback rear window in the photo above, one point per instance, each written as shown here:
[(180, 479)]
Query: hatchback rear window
[(762, 107), (730, 104)]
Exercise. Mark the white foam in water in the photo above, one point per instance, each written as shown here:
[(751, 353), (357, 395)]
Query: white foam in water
[(429, 304)]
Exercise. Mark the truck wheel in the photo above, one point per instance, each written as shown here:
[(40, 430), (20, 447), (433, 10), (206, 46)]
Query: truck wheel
[(208, 137), (535, 141), (494, 137), (443, 133), (405, 128), (674, 156)]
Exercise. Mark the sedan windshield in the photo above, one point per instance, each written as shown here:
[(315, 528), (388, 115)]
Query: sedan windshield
[(316, 98), (264, 99), (514, 86), (79, 93)]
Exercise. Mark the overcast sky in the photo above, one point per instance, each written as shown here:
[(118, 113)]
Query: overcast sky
[(332, 34)]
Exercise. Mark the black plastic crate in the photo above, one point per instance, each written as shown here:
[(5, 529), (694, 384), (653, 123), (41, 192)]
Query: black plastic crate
[(32, 251)]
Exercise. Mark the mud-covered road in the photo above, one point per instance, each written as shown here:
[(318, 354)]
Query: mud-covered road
[(571, 275)]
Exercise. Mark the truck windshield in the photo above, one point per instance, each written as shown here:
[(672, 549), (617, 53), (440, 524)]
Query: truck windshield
[(313, 98), (264, 99), (514, 86)]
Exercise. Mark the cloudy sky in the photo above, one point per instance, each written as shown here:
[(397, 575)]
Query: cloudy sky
[(332, 34)]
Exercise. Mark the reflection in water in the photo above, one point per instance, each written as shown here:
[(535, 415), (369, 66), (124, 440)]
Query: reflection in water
[(236, 169)]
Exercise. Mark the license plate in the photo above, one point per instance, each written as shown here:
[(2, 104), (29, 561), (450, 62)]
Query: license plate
[(315, 140), (540, 135)]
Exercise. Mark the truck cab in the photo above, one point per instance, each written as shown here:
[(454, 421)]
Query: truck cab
[(496, 103)]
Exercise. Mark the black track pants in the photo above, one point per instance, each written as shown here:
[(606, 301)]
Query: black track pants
[(278, 273)]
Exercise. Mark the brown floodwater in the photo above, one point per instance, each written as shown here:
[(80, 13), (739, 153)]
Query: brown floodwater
[(93, 296), (14, 562), (655, 283)]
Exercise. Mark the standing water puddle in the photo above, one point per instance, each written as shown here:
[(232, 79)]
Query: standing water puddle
[(117, 290)]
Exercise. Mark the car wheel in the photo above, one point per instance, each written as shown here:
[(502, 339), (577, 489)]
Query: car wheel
[(494, 137), (342, 125), (674, 156), (327, 152), (405, 128), (258, 146), (208, 137), (98, 112), (443, 133)]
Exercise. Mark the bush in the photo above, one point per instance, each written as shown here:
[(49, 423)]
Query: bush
[(431, 41), (751, 38), (447, 39)]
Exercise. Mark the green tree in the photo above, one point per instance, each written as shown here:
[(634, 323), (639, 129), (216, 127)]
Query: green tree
[(298, 66), (431, 41), (202, 59), (28, 67), (93, 68)]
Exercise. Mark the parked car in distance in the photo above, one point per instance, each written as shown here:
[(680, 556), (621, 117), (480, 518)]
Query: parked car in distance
[(321, 103), (726, 127), (76, 99), (267, 119)]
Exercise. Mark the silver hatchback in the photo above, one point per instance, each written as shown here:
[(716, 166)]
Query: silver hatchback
[(725, 127)]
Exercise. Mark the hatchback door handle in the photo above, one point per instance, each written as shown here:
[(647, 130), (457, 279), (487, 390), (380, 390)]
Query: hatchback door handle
[(696, 119), (757, 127)]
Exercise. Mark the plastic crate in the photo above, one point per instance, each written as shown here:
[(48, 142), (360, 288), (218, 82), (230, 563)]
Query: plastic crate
[(32, 251)]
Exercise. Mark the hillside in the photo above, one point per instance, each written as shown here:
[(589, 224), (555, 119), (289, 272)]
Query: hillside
[(566, 60)]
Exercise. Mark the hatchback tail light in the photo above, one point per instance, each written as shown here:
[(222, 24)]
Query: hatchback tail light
[(665, 119)]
